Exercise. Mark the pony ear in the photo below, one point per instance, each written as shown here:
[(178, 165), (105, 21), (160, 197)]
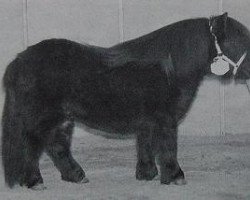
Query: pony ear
[(219, 24)]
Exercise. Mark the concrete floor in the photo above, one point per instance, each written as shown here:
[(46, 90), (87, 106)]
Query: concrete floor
[(216, 168)]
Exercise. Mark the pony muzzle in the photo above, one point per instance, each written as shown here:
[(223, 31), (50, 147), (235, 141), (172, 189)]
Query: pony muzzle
[(235, 65), (221, 63)]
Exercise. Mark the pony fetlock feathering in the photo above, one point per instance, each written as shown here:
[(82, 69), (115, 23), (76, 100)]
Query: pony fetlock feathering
[(143, 86)]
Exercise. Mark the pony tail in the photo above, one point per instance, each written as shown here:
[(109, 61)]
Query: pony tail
[(12, 141)]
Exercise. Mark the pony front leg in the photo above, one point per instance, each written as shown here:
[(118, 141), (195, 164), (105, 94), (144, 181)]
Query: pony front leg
[(169, 166), (146, 168)]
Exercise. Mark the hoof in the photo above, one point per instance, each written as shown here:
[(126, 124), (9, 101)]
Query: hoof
[(84, 180), (146, 171), (76, 176), (176, 179), (31, 181), (39, 187), (180, 181)]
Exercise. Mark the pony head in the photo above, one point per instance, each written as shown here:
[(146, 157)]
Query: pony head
[(234, 43)]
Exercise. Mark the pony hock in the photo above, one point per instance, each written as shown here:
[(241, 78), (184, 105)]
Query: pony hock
[(143, 86)]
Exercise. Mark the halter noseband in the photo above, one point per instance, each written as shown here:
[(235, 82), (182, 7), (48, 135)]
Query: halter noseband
[(221, 57)]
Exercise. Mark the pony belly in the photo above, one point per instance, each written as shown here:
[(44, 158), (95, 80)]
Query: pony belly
[(112, 127), (122, 127), (119, 119)]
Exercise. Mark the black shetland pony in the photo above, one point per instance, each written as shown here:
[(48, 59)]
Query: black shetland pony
[(143, 86)]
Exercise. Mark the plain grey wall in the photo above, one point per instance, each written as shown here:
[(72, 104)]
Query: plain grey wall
[(218, 109)]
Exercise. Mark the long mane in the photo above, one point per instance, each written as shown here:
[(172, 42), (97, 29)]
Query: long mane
[(156, 45)]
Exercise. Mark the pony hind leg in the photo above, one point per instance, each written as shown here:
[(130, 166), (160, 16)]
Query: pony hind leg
[(58, 148), (31, 176), (35, 139), (146, 168)]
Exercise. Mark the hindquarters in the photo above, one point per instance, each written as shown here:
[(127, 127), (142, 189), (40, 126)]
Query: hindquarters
[(37, 83), (27, 119), (21, 146)]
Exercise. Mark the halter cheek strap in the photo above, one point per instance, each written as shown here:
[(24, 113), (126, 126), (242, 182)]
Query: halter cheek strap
[(235, 65), (222, 57)]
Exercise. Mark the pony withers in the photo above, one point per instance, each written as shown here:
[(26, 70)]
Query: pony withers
[(143, 86)]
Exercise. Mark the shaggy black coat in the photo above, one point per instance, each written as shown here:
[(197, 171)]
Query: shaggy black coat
[(143, 86)]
